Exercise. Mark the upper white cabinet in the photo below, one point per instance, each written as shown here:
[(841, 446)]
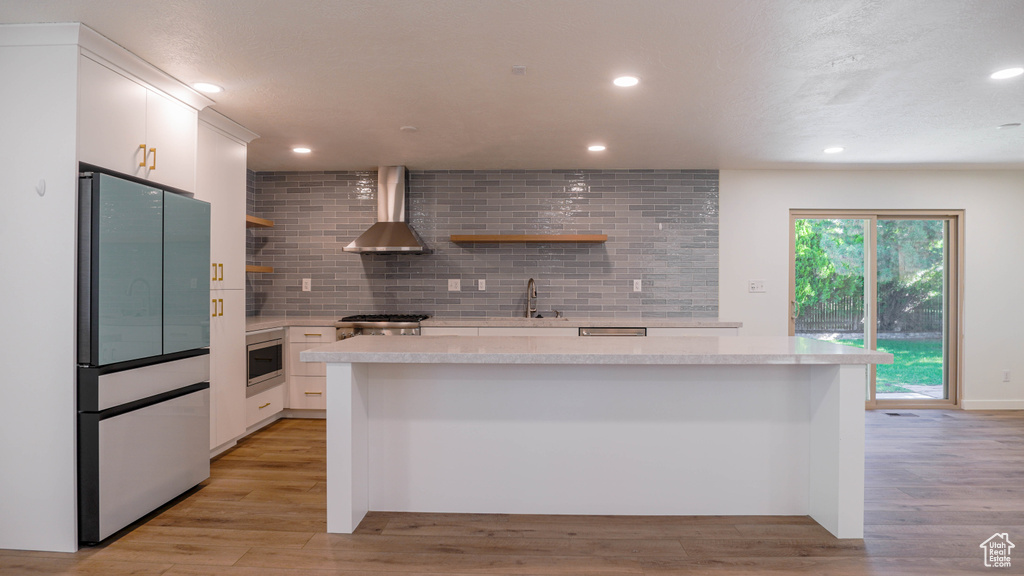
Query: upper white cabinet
[(127, 127), (220, 180)]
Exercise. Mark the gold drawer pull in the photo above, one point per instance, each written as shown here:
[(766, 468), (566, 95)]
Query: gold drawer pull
[(265, 405), (313, 393)]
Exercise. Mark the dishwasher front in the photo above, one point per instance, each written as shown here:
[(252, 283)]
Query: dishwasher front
[(617, 331)]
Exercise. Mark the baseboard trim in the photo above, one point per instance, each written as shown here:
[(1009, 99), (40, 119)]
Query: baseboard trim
[(214, 452), (296, 413), (993, 404)]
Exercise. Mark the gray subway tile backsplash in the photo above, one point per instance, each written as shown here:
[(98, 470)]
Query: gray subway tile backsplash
[(662, 228)]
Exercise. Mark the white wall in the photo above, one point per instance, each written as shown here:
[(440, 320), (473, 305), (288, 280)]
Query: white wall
[(37, 296), (754, 241)]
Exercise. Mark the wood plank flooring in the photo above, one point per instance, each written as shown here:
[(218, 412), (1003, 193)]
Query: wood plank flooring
[(938, 484)]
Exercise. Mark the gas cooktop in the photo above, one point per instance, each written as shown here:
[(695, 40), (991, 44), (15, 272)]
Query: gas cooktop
[(386, 318)]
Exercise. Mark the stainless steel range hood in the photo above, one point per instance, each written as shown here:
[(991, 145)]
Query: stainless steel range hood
[(391, 234)]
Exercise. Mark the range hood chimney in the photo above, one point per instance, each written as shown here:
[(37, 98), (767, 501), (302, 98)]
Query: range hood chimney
[(391, 234)]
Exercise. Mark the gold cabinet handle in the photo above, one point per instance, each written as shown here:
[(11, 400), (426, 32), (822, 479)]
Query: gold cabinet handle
[(214, 315), (214, 272), (144, 155), (313, 393), (221, 302), (153, 150), (265, 405), (317, 334), (221, 268)]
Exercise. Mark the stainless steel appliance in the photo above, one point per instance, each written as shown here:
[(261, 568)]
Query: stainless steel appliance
[(380, 325), (265, 351), (143, 337), (613, 331), (391, 234)]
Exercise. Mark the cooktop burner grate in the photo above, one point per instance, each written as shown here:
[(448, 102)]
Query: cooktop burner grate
[(385, 318)]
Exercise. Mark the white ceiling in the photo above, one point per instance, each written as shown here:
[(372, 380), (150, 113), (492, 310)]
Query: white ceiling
[(725, 83)]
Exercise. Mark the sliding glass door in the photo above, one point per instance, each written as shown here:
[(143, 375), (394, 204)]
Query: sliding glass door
[(889, 281)]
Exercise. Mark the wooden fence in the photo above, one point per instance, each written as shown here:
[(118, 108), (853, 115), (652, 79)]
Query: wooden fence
[(847, 315)]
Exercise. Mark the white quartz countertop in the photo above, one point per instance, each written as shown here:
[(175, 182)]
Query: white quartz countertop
[(572, 322), (254, 323), (706, 350)]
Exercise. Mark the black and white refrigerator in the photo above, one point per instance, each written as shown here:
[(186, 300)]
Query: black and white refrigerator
[(143, 349)]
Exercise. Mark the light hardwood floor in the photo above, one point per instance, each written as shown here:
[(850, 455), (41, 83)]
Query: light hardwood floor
[(938, 484)]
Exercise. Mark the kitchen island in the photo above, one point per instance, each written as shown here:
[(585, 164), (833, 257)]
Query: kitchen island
[(614, 425)]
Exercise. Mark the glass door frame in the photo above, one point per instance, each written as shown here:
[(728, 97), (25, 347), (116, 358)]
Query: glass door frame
[(954, 284)]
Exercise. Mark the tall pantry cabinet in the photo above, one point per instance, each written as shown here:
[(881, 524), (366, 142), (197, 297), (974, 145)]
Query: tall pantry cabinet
[(220, 180), (69, 95)]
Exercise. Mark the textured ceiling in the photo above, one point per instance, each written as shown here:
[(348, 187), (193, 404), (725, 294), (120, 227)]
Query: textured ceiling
[(725, 83)]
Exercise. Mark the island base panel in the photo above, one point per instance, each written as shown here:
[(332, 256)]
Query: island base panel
[(632, 440), (347, 409)]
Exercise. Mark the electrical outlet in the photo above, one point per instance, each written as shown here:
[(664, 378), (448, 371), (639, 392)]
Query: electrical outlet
[(454, 285), (1006, 375), (637, 285), (756, 286), (481, 284), (307, 284)]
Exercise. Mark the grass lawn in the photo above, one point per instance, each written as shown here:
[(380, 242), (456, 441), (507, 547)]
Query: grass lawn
[(916, 362)]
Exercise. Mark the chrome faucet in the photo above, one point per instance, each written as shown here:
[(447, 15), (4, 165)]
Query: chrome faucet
[(531, 298)]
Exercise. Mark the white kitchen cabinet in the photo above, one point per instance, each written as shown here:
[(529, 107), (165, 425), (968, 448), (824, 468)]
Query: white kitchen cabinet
[(307, 392), (449, 331), (312, 335), (694, 331), (111, 119), (528, 331), (127, 127), (307, 381), (264, 405), (220, 180), (228, 374)]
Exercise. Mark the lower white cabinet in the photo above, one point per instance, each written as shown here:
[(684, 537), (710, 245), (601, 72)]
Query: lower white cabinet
[(307, 381), (307, 392), (264, 405), (449, 331), (529, 331), (228, 374), (694, 331)]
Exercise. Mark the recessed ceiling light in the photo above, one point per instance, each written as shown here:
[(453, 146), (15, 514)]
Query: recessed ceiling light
[(207, 87), (1007, 73), (833, 150), (626, 81), (301, 150), (408, 128), (1010, 125), (596, 148)]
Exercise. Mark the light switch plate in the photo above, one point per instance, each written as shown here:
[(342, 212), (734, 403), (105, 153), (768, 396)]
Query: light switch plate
[(756, 286), (454, 285)]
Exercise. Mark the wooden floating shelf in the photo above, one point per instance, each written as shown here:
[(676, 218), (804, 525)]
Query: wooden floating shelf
[(254, 222), (250, 268), (529, 238)]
